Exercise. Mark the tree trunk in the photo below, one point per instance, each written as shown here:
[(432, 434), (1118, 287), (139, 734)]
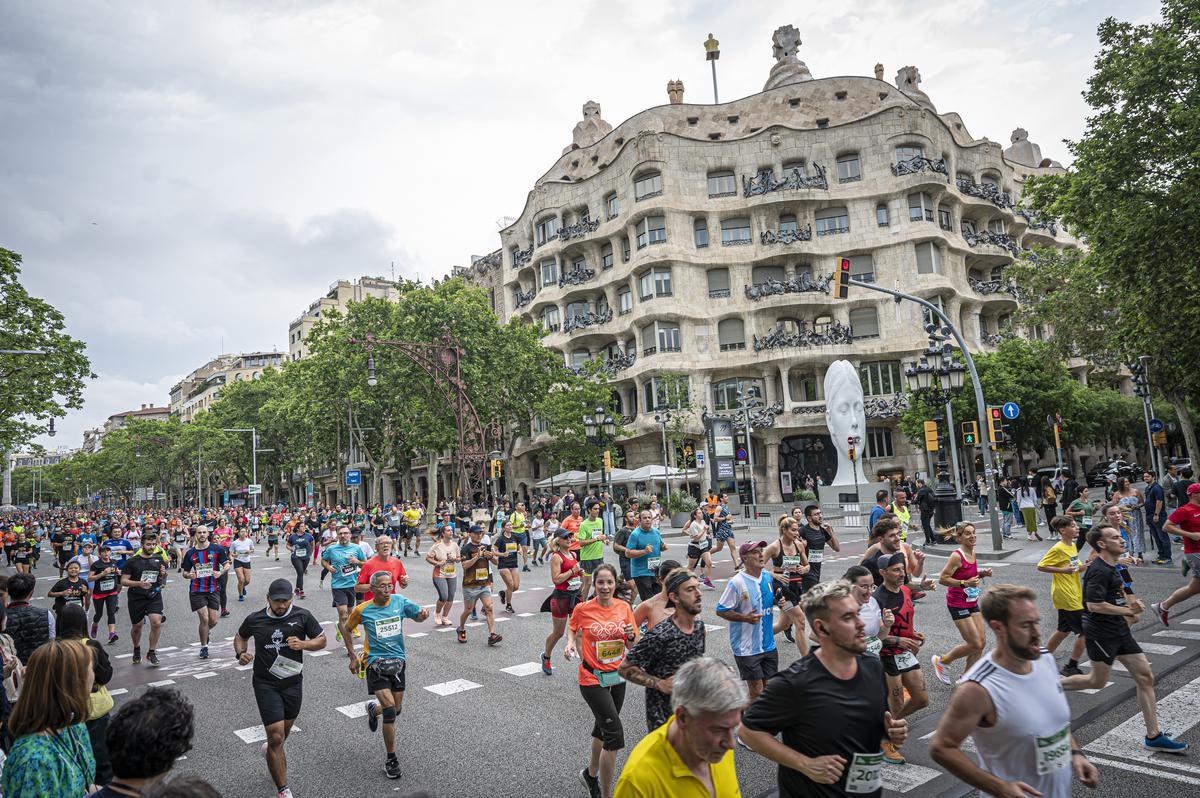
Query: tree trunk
[(1185, 425), (431, 471)]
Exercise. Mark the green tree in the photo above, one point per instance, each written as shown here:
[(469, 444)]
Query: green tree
[(34, 388), (1131, 195)]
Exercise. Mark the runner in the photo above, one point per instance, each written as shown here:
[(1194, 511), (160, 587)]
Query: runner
[(722, 525), (240, 550), (645, 548), (653, 661), (599, 632), (477, 583), (700, 539), (106, 589), (519, 520), (70, 589), (179, 545), (273, 538), (281, 634), (223, 537), (591, 539), (300, 544), (538, 529), (816, 534), (832, 747), (1010, 702), (1184, 521), (620, 541), (1106, 609), (383, 619), (144, 574), (444, 556), (886, 540), (900, 647), (23, 555), (329, 537), (1066, 590), (410, 530), (508, 547), (789, 564), (874, 618), (203, 564), (565, 576), (963, 577), (381, 561), (748, 603)]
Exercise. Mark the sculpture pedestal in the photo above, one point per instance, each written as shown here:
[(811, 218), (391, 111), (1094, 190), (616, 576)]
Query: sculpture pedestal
[(840, 494)]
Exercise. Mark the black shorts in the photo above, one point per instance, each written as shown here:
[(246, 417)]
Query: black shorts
[(695, 552), (962, 613), (758, 667), (891, 669), (1108, 649), (272, 540), (199, 601), (64, 557), (1070, 621), (623, 563), (407, 532), (140, 607), (276, 704), (242, 564), (344, 597), (377, 681), (590, 566)]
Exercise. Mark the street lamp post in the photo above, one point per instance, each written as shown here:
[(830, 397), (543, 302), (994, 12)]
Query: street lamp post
[(935, 379), (600, 429), (663, 417), (748, 400), (1141, 386)]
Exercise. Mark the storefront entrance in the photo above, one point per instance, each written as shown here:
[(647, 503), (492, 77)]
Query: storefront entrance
[(807, 455)]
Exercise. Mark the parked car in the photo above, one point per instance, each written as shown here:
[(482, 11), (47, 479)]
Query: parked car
[(1099, 474)]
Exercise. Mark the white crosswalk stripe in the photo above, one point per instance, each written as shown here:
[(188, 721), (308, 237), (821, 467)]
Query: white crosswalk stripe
[(162, 683), (257, 734), (1182, 634), (524, 669), (1178, 711), (452, 687), (903, 778), (358, 710), (204, 675)]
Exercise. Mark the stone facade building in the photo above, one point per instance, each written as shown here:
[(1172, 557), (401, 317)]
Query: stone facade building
[(339, 296), (198, 390), (700, 240)]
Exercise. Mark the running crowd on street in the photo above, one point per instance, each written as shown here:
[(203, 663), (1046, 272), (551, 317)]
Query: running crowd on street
[(630, 618)]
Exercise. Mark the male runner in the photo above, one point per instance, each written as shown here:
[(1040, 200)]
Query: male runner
[(644, 549), (591, 539), (901, 644), (382, 561), (817, 534), (477, 559), (343, 560), (748, 604), (281, 634), (383, 619), (520, 521), (144, 574), (204, 564), (1184, 521), (1066, 591)]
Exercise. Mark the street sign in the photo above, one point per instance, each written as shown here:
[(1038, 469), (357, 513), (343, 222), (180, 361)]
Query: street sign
[(724, 468), (160, 496), (741, 454), (254, 490), (1156, 425), (1010, 410), (699, 459), (1160, 439), (354, 477)]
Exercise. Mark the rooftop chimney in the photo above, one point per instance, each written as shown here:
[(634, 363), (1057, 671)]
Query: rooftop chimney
[(879, 72)]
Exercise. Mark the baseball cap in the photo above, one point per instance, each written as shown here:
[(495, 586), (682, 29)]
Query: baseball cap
[(562, 533), (888, 560), (1193, 488), (745, 547), (279, 590), (476, 528)]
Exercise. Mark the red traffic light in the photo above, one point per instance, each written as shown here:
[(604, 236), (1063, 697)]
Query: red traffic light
[(845, 264), (842, 280), (995, 412)]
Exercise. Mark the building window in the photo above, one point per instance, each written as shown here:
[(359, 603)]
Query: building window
[(879, 443), (920, 207), (864, 323), (788, 325), (700, 231), (722, 184), (579, 356), (804, 387), (651, 230), (881, 377), (990, 180), (832, 220), (862, 268), (731, 334), (656, 282), (718, 283), (667, 334), (795, 166), (735, 231), (881, 215), (611, 203), (968, 227), (606, 256), (909, 151), (725, 392), (648, 184), (657, 394), (929, 258), (762, 274), (576, 309), (927, 316), (625, 249), (945, 219), (848, 168), (549, 269), (624, 301), (547, 229), (788, 222), (550, 319), (963, 177), (996, 226)]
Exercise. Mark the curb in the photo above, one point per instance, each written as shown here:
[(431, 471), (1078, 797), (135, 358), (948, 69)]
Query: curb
[(988, 554)]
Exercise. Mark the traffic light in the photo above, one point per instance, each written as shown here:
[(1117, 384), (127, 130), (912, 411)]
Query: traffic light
[(607, 460), (931, 436), (495, 469), (850, 450), (841, 289), (970, 433), (996, 430)]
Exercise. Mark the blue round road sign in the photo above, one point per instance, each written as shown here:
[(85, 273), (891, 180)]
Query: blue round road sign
[(1156, 425), (1010, 410)]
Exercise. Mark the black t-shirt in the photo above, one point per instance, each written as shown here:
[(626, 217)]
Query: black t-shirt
[(925, 500), (1004, 498), (508, 558), (1102, 582), (1180, 490), (105, 585), (471, 575), (141, 568), (270, 636), (75, 592), (662, 651), (816, 538), (622, 539), (818, 714)]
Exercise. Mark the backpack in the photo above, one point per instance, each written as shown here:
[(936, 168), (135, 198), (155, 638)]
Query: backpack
[(12, 682)]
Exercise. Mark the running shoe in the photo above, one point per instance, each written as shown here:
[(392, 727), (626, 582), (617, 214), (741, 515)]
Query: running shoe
[(939, 669), (286, 792), (225, 613), (891, 754), (494, 638), (547, 668), (391, 768), (502, 594), (591, 783), (462, 635), (1165, 744), (1160, 613), (708, 583), (203, 652), (152, 658), (137, 655), (95, 628), (509, 609), (474, 615), (787, 632), (524, 567), (242, 597), (112, 637), (373, 716), (1071, 670)]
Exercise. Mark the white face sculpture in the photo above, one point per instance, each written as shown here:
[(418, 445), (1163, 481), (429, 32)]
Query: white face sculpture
[(845, 417)]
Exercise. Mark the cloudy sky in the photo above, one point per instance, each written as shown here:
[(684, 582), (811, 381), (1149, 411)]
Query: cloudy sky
[(184, 176)]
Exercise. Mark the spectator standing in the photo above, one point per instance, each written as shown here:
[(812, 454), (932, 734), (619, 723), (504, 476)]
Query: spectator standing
[(72, 625), (1156, 516), (28, 626)]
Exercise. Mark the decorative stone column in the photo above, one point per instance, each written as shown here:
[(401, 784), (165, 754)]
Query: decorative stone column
[(785, 381), (770, 492)]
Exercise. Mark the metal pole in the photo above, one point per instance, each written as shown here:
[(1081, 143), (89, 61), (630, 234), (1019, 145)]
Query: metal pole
[(254, 459), (952, 445), (666, 481), (716, 100), (989, 467), (1155, 461), (750, 453), (199, 487)]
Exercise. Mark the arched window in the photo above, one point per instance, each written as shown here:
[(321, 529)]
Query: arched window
[(763, 273), (718, 283), (546, 230), (822, 324), (864, 323), (731, 334), (945, 217), (907, 151), (606, 256), (735, 231), (848, 168), (920, 207), (881, 215), (788, 222), (788, 324)]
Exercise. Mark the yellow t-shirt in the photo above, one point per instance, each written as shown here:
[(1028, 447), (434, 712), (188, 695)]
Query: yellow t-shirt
[(412, 517), (654, 770), (1066, 590)]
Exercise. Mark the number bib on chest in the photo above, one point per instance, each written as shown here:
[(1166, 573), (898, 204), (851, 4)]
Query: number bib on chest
[(300, 552), (865, 774), (972, 594), (575, 583), (150, 576), (791, 563), (204, 571), (481, 574), (349, 569), (107, 584), (285, 668), (1053, 752), (510, 548), (447, 571), (816, 555), (387, 627), (906, 660), (652, 563), (610, 651)]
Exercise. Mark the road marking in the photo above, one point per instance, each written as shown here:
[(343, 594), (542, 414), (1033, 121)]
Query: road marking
[(417, 634), (996, 564), (167, 648), (968, 744), (452, 687), (1116, 666), (712, 627), (445, 629), (274, 568), (902, 778), (501, 619), (162, 683), (358, 710), (256, 734), (1182, 634), (244, 667), (204, 675), (1193, 621), (328, 623), (1159, 648), (1178, 711), (1094, 690), (1143, 770), (118, 691), (319, 653), (525, 614), (123, 656), (475, 623), (524, 669)]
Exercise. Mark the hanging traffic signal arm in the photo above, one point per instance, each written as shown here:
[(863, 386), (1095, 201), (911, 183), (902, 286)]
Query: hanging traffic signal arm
[(841, 288)]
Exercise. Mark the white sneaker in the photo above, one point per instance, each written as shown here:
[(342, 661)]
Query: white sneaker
[(286, 792), (939, 669)]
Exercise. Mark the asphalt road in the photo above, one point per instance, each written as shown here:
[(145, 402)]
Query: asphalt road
[(485, 721)]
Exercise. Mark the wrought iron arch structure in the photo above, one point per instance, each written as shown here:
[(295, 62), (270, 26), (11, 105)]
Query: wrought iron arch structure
[(441, 360)]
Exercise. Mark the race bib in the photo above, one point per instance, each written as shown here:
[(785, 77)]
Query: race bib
[(300, 552), (653, 564), (1074, 563), (204, 571), (106, 585), (972, 593), (447, 571), (511, 548), (387, 627), (1053, 752), (865, 774), (791, 563), (349, 569), (874, 645), (285, 668), (150, 576), (481, 574), (575, 584), (816, 555), (906, 660), (610, 651), (703, 544)]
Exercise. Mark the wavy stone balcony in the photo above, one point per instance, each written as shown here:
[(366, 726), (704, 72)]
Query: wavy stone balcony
[(801, 284), (576, 276), (522, 257), (917, 164), (1002, 240), (589, 319), (610, 367), (1035, 221), (992, 287), (578, 230), (523, 298), (786, 236), (836, 333), (987, 191), (764, 182)]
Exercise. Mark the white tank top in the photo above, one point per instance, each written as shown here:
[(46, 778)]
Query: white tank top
[(1031, 740)]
